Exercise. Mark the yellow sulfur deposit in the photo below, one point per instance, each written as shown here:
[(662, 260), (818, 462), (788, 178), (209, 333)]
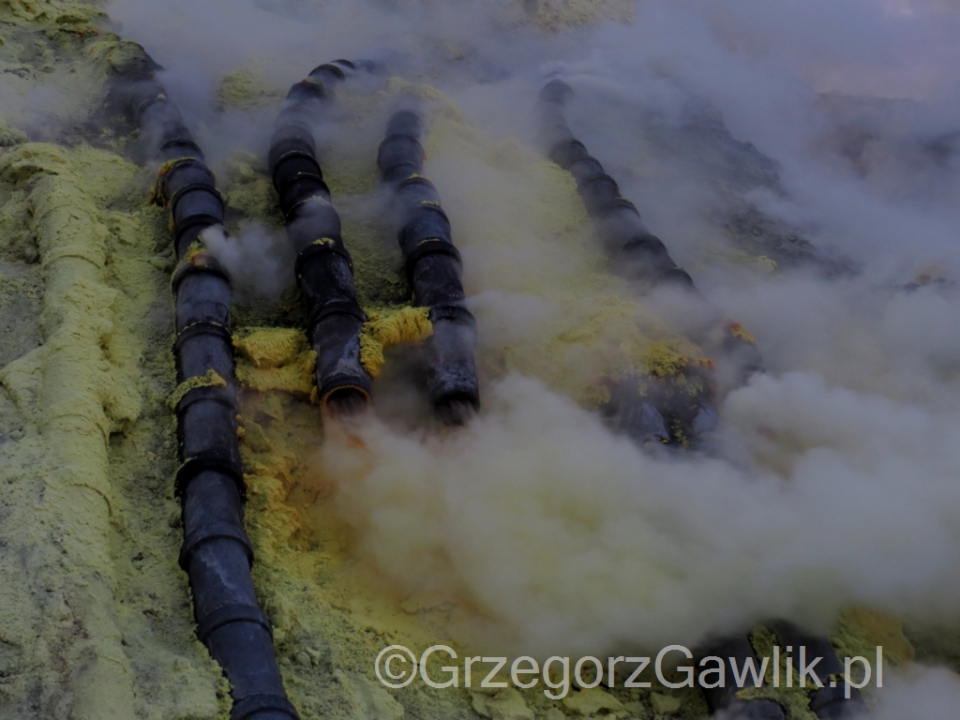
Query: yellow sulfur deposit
[(860, 629), (555, 15), (793, 699), (738, 331), (74, 396), (246, 88), (270, 347), (664, 360), (275, 359), (87, 479), (388, 327), (157, 195), (209, 379)]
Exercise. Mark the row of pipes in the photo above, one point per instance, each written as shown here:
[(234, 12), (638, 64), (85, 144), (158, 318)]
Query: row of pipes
[(216, 552)]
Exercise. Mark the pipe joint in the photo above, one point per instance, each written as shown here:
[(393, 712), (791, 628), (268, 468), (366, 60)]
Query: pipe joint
[(452, 313), (295, 165), (224, 395), (291, 135), (216, 530), (322, 251), (415, 190), (232, 613), (431, 246), (329, 72), (306, 193), (201, 263), (556, 92), (197, 199), (426, 224), (567, 152), (224, 464), (600, 193), (400, 156), (181, 172), (201, 328), (306, 92)]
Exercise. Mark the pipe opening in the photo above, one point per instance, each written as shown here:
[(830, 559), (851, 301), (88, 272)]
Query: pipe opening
[(456, 409), (345, 401)]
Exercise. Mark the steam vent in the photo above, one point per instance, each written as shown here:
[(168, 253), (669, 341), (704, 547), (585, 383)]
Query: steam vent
[(461, 359)]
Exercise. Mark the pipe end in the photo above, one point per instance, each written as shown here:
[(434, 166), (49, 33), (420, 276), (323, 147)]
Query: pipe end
[(556, 91), (345, 401), (456, 410)]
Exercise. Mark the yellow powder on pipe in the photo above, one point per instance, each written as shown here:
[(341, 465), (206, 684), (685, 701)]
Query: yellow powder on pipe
[(270, 347), (211, 378), (157, 196), (275, 359), (391, 327), (738, 331)]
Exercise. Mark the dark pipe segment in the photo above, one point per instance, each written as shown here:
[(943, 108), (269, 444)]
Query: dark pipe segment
[(433, 267), (725, 698), (636, 253), (828, 703), (216, 551), (323, 268)]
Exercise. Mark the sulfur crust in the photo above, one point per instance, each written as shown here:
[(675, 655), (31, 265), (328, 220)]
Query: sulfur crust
[(275, 359), (246, 88), (861, 629), (386, 327), (209, 379), (77, 392)]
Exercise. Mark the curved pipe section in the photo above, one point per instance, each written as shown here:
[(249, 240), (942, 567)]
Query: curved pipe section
[(216, 551), (324, 268), (433, 268)]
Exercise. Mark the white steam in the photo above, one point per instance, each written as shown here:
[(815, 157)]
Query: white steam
[(259, 263), (921, 693), (582, 542)]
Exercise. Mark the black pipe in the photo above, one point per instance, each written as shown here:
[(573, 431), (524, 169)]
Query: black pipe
[(433, 268), (724, 698), (636, 253), (216, 552), (324, 269), (828, 703)]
